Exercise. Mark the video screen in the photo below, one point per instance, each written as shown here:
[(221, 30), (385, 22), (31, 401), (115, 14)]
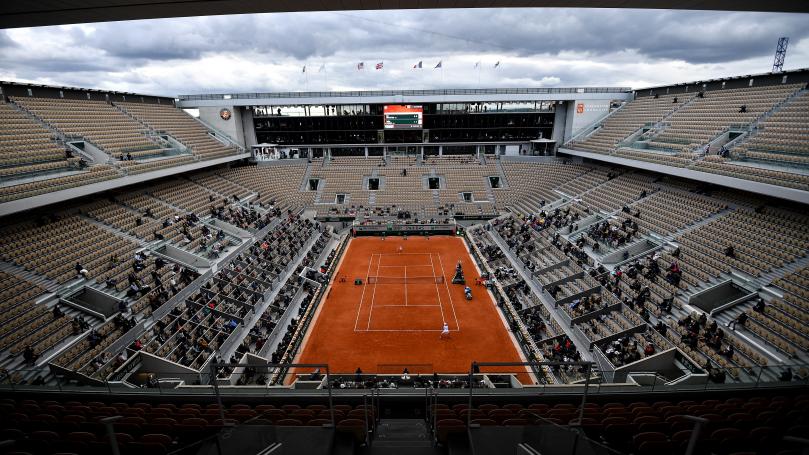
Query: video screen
[(399, 116)]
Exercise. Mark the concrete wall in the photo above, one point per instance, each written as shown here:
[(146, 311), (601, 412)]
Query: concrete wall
[(662, 361), (232, 126), (583, 112), (166, 369), (41, 200), (782, 192), (560, 122), (248, 127)]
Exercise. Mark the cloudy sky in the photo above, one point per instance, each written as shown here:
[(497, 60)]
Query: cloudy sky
[(535, 47)]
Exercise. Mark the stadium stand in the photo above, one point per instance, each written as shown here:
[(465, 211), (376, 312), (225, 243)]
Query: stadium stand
[(97, 121), (629, 119), (28, 148), (132, 138), (781, 137), (750, 133), (179, 125), (589, 262), (652, 426)]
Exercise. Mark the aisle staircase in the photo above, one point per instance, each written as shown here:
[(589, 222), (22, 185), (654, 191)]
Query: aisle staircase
[(402, 437)]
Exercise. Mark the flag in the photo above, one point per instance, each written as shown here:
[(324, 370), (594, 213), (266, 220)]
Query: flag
[(417, 65), (361, 65), (379, 66), (322, 68), (497, 64), (304, 69), (477, 64), (438, 66)]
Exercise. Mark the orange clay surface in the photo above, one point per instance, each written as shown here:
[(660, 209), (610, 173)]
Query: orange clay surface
[(384, 328)]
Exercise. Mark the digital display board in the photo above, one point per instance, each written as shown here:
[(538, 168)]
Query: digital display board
[(399, 116)]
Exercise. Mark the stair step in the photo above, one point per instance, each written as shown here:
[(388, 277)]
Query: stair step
[(384, 443)]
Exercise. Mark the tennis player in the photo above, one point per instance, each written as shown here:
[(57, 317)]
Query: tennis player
[(445, 332)]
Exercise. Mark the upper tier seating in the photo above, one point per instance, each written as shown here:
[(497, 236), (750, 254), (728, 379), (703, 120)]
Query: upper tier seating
[(705, 117), (629, 119), (179, 125), (681, 140), (33, 163), (783, 137), (97, 121), (27, 148)]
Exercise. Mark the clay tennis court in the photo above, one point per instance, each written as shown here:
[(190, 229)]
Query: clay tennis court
[(397, 319)]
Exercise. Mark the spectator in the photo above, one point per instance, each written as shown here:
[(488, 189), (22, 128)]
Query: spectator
[(786, 375), (28, 355), (740, 320), (81, 271)]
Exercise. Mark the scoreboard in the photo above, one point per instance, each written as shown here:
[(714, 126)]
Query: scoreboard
[(399, 116)]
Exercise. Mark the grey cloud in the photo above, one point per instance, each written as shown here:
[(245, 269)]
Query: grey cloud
[(689, 36), (112, 53), (6, 41)]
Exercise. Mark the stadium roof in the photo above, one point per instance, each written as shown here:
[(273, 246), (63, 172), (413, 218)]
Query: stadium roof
[(403, 96), (54, 12)]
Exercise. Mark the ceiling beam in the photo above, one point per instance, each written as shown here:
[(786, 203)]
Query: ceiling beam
[(15, 14)]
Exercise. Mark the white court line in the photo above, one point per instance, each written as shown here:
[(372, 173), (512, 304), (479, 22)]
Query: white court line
[(443, 320), (367, 327), (407, 330), (405, 285), (409, 265), (379, 306), (449, 293), (362, 296)]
